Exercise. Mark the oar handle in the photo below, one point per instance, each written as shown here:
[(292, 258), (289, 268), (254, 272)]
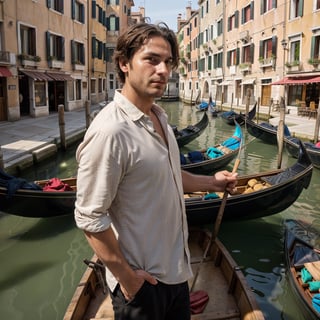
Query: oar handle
[(223, 204)]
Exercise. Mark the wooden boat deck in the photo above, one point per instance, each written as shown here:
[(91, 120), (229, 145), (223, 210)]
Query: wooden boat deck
[(219, 276)]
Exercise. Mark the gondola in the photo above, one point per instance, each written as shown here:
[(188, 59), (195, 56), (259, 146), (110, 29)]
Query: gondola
[(186, 135), (258, 195), (229, 117), (266, 132), (203, 106), (213, 110), (303, 266), (220, 279), (213, 158), (286, 186), (292, 147)]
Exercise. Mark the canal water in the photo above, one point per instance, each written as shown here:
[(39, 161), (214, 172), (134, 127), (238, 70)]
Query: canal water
[(42, 259)]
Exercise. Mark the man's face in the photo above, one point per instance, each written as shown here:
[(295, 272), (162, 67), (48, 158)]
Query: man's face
[(149, 69)]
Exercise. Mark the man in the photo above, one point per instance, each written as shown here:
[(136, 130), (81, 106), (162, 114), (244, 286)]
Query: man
[(130, 185)]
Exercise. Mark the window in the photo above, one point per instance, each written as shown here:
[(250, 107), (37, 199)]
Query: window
[(77, 52), (247, 13), (317, 4), (315, 47), (55, 47), (267, 5), (233, 21), (247, 53), (294, 51), (78, 89), (100, 85), (111, 81), (78, 11), (113, 2), (109, 54), (232, 57), (70, 90), (40, 93), (27, 40), (93, 85), (217, 60), (56, 5), (113, 23), (296, 8)]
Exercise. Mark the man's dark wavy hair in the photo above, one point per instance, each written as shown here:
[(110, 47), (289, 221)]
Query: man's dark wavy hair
[(135, 36)]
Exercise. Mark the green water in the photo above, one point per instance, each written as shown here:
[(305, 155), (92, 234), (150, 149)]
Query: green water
[(42, 259)]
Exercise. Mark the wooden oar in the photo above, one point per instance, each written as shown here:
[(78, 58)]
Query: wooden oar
[(280, 132), (218, 219)]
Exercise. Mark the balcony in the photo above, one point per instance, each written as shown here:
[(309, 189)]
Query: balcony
[(55, 64), (293, 66), (78, 66), (27, 60), (267, 62), (7, 58), (245, 67)]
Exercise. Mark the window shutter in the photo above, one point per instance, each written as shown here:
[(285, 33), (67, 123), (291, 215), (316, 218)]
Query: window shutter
[(236, 19), (274, 45), (73, 9), (252, 52), (62, 49), (274, 4), (252, 10), (73, 53), (94, 13), (313, 43), (117, 24), (300, 9), (82, 55), (83, 16), (261, 53), (49, 3), (108, 23), (93, 41), (48, 44), (238, 56), (62, 7), (242, 16)]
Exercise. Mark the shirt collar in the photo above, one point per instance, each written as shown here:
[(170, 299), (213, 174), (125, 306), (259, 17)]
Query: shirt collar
[(131, 110)]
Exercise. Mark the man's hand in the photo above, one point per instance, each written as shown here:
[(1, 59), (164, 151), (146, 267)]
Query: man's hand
[(129, 290)]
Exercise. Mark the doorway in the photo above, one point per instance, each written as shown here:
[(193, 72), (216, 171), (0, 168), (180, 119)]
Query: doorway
[(56, 90), (3, 105), (24, 97)]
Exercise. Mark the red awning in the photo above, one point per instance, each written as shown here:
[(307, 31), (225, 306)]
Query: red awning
[(5, 72), (297, 80)]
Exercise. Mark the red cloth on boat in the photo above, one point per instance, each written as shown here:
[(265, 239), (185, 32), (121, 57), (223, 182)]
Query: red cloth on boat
[(198, 301), (55, 184), (318, 144)]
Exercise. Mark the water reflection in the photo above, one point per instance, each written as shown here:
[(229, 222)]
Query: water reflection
[(41, 259)]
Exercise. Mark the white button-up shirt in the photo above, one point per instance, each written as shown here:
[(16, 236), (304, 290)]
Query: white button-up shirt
[(128, 178)]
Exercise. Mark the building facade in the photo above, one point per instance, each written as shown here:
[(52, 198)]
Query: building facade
[(56, 52), (243, 47)]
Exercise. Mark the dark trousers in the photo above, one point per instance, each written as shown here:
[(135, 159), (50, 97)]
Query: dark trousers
[(153, 302)]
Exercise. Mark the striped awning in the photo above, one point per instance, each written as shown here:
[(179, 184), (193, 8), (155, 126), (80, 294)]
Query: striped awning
[(37, 75), (59, 76), (297, 80)]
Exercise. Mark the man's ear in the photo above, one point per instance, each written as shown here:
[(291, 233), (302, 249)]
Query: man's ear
[(124, 65)]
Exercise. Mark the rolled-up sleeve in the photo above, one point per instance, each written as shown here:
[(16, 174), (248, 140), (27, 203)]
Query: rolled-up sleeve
[(98, 178)]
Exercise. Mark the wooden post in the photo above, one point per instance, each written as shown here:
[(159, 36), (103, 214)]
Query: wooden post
[(280, 131), (62, 127), (258, 110), (248, 100), (1, 160), (87, 107), (191, 98), (316, 128)]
